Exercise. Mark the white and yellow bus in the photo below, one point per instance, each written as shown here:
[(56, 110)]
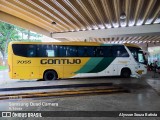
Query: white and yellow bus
[(50, 61)]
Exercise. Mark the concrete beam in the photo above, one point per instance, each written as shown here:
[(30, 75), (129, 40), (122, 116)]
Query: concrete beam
[(145, 46), (22, 23), (113, 32)]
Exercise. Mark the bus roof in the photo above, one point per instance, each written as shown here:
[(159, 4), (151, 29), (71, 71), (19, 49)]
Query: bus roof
[(65, 43), (57, 43), (74, 43), (131, 45)]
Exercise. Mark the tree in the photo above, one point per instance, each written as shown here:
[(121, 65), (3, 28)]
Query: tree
[(22, 31), (29, 34), (8, 33)]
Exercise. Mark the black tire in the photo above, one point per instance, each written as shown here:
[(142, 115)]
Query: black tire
[(50, 75), (125, 73)]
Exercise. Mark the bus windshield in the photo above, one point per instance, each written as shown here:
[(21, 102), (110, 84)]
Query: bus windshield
[(138, 54)]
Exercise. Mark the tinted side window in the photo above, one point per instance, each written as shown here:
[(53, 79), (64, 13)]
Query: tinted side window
[(134, 52), (107, 51), (19, 50), (71, 51), (41, 51), (51, 51), (25, 50), (31, 51), (62, 51), (85, 51), (99, 51), (119, 51), (81, 51), (47, 50), (90, 51)]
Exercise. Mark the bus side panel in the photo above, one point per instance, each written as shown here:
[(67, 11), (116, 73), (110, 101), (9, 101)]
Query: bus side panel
[(25, 72), (71, 68), (114, 69), (127, 63), (122, 62), (10, 65), (25, 68), (96, 66)]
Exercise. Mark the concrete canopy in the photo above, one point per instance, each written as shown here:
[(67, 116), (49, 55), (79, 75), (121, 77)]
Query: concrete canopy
[(95, 20)]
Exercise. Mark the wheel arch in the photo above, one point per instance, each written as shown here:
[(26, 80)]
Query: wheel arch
[(51, 70), (125, 68)]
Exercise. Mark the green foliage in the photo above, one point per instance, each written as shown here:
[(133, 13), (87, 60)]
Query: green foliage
[(29, 40), (3, 67), (10, 32), (7, 32)]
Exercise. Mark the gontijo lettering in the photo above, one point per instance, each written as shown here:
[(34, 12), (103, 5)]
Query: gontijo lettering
[(60, 61)]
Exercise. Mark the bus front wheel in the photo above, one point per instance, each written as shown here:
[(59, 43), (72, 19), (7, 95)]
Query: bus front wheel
[(125, 73), (50, 75)]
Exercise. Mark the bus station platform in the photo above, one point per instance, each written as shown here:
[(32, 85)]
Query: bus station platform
[(87, 94), (59, 90), (12, 89)]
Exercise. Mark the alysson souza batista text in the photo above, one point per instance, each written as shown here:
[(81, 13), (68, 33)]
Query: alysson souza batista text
[(145, 114)]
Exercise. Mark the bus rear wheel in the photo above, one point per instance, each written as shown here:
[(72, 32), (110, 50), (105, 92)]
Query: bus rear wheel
[(50, 75), (125, 73)]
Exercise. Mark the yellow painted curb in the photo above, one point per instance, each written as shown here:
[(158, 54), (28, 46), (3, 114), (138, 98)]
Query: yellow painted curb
[(62, 93)]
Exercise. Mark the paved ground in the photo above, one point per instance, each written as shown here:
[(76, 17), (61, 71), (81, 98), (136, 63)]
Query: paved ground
[(4, 78), (144, 96)]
